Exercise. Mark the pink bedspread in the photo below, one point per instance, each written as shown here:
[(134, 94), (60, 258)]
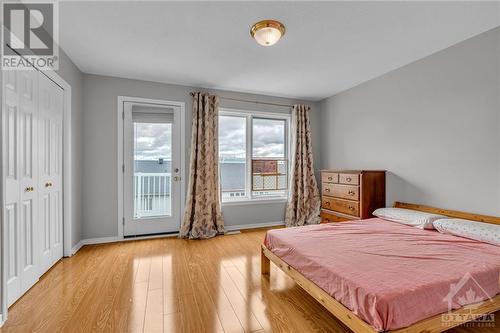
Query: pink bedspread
[(390, 275)]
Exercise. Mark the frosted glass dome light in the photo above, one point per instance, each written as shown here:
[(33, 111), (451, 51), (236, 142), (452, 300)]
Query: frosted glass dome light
[(267, 32)]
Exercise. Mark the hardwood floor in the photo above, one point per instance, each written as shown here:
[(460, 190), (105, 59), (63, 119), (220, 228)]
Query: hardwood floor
[(172, 285)]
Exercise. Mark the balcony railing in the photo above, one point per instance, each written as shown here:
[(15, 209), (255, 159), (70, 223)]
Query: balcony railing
[(269, 175), (152, 194)]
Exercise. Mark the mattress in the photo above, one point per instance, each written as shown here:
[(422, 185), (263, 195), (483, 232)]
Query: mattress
[(388, 274)]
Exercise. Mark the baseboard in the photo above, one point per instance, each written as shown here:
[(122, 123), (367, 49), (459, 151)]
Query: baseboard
[(254, 225), (101, 240), (112, 239), (150, 237), (77, 247), (90, 241)]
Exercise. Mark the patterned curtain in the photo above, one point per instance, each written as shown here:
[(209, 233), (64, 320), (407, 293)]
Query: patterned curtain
[(304, 201), (203, 217)]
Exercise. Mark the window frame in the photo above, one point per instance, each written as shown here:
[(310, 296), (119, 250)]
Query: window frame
[(249, 198)]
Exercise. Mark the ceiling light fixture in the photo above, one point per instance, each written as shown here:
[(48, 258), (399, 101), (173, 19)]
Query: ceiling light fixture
[(267, 32)]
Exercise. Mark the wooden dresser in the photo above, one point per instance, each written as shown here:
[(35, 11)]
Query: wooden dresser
[(351, 194)]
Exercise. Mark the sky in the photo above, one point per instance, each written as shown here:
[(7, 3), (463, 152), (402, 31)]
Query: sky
[(268, 137), (153, 140)]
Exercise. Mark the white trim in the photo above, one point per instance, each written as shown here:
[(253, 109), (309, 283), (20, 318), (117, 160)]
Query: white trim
[(236, 112), (254, 225), (260, 201), (100, 240), (120, 101), (77, 247), (106, 240), (119, 154), (249, 115)]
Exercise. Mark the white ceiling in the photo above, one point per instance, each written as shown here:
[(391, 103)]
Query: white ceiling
[(328, 47)]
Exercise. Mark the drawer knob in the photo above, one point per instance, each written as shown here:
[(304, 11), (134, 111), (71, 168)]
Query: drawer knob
[(327, 189), (351, 208), (330, 178), (327, 203), (348, 179), (351, 192)]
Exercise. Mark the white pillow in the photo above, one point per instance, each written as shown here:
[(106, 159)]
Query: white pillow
[(483, 232), (409, 217)]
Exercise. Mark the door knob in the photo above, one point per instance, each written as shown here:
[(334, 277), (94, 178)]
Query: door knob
[(177, 178)]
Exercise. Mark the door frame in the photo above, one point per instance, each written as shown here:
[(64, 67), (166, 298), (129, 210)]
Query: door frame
[(120, 151), (67, 184)]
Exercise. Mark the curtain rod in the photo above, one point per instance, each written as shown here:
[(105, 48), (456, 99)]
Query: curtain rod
[(250, 101)]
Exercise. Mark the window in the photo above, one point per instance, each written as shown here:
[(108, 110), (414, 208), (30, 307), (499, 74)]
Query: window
[(253, 155)]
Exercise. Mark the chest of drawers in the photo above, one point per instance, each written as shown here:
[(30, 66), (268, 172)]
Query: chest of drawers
[(351, 194)]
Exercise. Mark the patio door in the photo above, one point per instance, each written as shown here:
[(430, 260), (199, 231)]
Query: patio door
[(151, 169)]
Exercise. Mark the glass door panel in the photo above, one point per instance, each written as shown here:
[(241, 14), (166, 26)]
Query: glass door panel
[(151, 169)]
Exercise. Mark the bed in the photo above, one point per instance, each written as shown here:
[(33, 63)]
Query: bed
[(402, 276)]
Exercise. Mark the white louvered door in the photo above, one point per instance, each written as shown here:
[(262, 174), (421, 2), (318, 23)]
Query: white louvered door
[(50, 172), (32, 170)]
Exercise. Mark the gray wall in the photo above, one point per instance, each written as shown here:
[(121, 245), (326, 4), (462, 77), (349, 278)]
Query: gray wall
[(100, 197), (72, 75), (433, 124)]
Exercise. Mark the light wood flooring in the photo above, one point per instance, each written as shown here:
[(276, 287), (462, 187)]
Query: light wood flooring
[(172, 285)]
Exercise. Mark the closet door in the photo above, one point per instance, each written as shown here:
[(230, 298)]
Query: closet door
[(50, 172), (20, 170), (28, 177), (10, 158)]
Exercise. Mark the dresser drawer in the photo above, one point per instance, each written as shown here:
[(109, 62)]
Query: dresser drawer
[(349, 178), (341, 205), (329, 217), (327, 189), (329, 177), (341, 191)]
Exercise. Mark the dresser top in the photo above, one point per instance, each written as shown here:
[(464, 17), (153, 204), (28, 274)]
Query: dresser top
[(352, 171)]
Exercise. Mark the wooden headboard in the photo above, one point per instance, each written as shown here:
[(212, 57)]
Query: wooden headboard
[(450, 213)]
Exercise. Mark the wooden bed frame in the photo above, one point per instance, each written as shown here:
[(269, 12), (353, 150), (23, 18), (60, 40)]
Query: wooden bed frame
[(430, 325)]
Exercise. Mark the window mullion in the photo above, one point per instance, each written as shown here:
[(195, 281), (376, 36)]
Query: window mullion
[(249, 157)]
